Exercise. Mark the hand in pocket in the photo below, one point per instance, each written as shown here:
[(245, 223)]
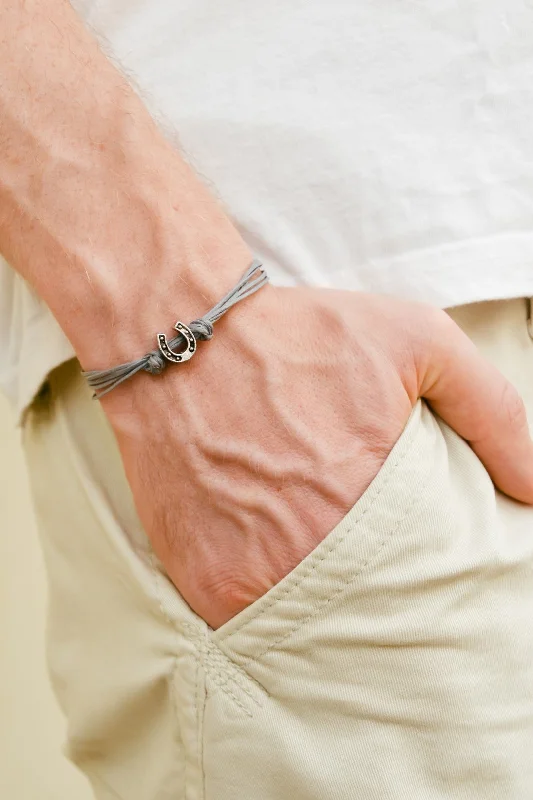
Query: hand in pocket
[(244, 460)]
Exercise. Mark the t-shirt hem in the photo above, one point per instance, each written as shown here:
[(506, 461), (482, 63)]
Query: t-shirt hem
[(495, 268)]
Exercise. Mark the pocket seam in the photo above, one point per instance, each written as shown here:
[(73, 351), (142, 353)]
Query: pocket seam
[(346, 583), (334, 545), (229, 678)]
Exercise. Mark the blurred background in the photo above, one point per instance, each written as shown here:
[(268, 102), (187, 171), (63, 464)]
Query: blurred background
[(32, 729)]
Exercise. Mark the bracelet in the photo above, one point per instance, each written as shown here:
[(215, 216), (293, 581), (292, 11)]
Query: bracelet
[(104, 380)]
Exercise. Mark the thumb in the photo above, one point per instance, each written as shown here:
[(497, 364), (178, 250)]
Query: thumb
[(478, 402)]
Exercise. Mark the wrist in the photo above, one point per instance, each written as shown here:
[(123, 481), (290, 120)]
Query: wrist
[(148, 246), (239, 344), (127, 313), (98, 211)]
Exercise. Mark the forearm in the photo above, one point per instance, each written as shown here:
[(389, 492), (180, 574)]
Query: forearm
[(97, 210)]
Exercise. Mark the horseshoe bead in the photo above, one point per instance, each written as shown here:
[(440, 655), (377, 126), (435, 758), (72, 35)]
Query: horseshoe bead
[(184, 355)]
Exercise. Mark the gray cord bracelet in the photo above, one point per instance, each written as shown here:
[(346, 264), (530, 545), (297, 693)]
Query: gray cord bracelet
[(104, 380)]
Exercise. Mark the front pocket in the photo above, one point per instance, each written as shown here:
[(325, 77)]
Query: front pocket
[(346, 552), (396, 660)]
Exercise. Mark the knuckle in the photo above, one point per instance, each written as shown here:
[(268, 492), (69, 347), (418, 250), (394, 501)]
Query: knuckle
[(438, 317), (432, 320), (447, 335), (432, 333)]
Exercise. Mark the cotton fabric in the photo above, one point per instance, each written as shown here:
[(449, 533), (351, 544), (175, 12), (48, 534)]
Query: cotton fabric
[(396, 661), (379, 146)]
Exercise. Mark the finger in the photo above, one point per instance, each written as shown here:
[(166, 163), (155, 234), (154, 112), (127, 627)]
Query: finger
[(478, 402)]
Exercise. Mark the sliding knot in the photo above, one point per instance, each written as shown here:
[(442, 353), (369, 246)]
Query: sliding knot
[(155, 363), (201, 328), (104, 380)]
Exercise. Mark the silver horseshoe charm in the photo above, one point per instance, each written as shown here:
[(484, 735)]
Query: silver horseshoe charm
[(185, 355)]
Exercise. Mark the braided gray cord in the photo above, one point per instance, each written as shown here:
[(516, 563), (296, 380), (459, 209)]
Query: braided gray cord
[(103, 381)]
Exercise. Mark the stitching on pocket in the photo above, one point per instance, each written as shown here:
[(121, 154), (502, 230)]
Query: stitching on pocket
[(229, 677), (220, 666), (222, 685), (331, 548), (344, 586)]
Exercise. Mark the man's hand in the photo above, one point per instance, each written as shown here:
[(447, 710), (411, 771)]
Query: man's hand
[(244, 459)]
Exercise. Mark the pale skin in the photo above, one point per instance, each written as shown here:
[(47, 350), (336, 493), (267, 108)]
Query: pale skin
[(242, 460)]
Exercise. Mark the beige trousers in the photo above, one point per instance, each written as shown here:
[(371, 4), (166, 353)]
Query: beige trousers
[(396, 661)]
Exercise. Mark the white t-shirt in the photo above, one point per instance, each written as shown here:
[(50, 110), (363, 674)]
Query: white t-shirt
[(380, 146)]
